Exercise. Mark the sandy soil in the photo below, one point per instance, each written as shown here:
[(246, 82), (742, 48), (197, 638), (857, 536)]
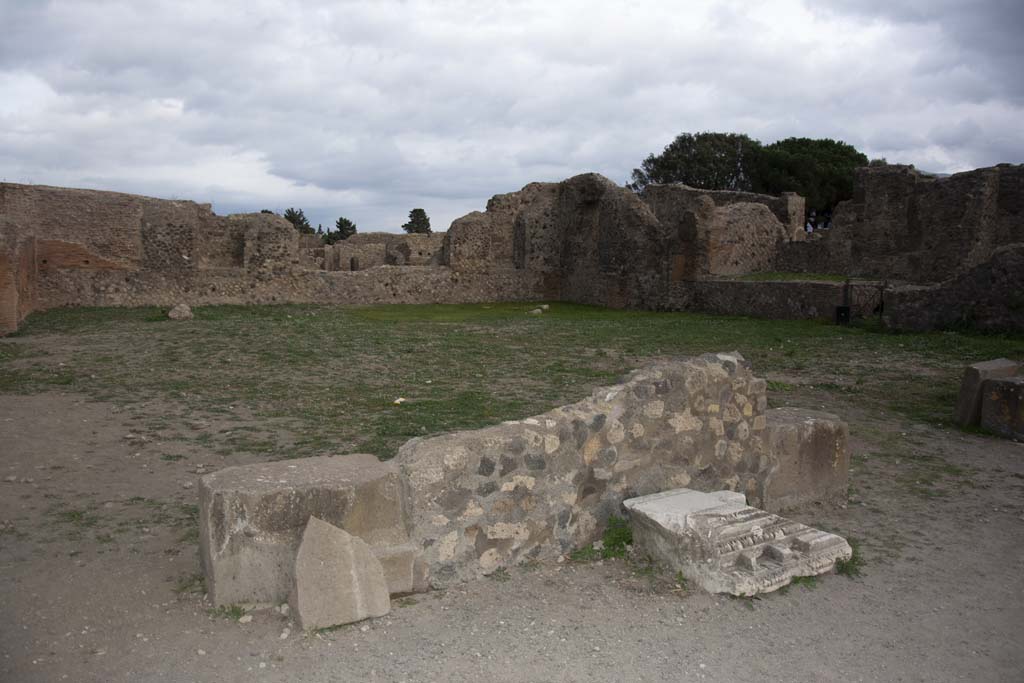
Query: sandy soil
[(98, 562)]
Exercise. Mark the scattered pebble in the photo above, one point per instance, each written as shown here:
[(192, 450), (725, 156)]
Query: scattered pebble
[(200, 652), (245, 619)]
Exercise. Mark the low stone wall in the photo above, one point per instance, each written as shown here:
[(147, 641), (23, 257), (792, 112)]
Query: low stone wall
[(791, 300), (461, 505), (539, 487), (383, 285), (988, 297)]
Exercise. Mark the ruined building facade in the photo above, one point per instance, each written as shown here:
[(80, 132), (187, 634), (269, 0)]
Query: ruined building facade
[(927, 252)]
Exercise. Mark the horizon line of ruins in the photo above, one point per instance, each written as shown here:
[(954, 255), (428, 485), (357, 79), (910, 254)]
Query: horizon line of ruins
[(917, 250)]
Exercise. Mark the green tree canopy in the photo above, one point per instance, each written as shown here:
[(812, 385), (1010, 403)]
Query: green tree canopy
[(343, 229), (820, 170), (419, 222), (297, 218), (709, 161)]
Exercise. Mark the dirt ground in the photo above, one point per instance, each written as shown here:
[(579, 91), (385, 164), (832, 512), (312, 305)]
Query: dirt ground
[(99, 573)]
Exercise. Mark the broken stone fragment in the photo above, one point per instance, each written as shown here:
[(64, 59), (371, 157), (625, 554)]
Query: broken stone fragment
[(725, 546), (180, 312), (338, 580)]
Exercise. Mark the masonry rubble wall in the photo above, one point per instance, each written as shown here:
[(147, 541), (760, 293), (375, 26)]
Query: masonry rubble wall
[(989, 296), (906, 225), (778, 300), (461, 505), (383, 285), (539, 487), (585, 240)]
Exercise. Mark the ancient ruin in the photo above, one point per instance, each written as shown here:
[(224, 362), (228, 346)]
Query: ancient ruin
[(726, 546), (925, 252), (462, 505), (992, 398)]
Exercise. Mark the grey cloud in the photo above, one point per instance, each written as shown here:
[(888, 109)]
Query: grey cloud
[(369, 109)]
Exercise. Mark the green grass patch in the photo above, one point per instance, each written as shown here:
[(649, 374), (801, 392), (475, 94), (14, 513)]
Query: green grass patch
[(232, 612), (617, 536), (329, 375)]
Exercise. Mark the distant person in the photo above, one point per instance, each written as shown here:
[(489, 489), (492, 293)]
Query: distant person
[(826, 221)]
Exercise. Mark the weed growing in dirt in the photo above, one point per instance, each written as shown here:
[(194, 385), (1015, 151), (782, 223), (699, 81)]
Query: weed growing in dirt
[(851, 568), (233, 612), (193, 583), (500, 574), (613, 544)]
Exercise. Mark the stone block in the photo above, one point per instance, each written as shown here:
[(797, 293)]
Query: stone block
[(725, 546), (809, 460), (251, 519), (399, 562), (1002, 407), (968, 402), (337, 579), (180, 312)]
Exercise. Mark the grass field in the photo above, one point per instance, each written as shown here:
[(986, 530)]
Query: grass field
[(331, 374)]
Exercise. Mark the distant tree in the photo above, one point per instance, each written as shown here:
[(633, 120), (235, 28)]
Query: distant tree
[(820, 170), (419, 222), (267, 211), (878, 162), (297, 218), (709, 161), (320, 229), (343, 229)]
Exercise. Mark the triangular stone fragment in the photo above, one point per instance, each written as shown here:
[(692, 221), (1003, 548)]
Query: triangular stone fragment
[(725, 546), (338, 580)]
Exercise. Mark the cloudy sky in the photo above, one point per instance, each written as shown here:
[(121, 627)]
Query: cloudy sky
[(368, 109)]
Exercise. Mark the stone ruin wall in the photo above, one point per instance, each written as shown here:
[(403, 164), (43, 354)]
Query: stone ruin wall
[(910, 226), (466, 504), (583, 240), (716, 234), (68, 247), (537, 488), (989, 296), (374, 249)]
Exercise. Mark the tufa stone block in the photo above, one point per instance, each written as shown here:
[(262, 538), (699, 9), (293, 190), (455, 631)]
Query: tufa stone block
[(809, 458), (1002, 407), (338, 580), (251, 520), (968, 402), (725, 546)]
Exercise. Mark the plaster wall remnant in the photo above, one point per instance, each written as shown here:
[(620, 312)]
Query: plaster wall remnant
[(724, 545)]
